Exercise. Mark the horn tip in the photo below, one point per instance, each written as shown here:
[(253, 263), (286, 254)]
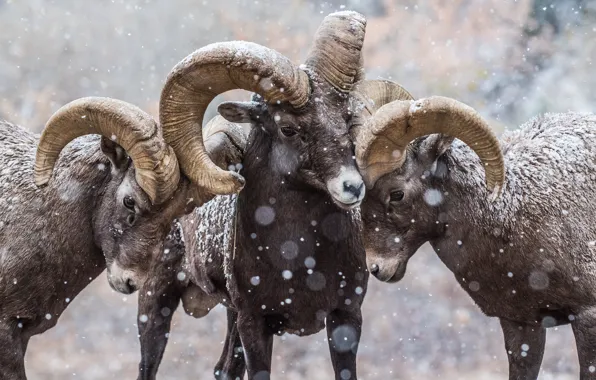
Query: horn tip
[(495, 187), (228, 183), (41, 176), (368, 178), (238, 180), (41, 181), (495, 193), (348, 14)]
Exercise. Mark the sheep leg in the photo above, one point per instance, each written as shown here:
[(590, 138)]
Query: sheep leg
[(525, 348), (231, 364), (257, 342), (157, 303), (343, 332), (12, 353), (584, 329)]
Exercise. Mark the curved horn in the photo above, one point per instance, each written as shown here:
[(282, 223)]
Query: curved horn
[(208, 72), (373, 94), (381, 145), (368, 96), (336, 53), (156, 167), (225, 143)]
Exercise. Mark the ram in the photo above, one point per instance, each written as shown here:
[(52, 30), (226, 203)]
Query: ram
[(525, 253), (111, 200), (169, 279), (286, 255)]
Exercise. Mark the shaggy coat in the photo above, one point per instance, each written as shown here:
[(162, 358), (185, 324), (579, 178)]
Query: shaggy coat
[(283, 257), (55, 240), (528, 258)]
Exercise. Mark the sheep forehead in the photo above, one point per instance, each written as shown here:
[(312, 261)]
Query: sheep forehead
[(319, 111)]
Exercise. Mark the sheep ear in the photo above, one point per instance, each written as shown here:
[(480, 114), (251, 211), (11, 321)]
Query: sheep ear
[(435, 147), (240, 112), (115, 153), (437, 144)]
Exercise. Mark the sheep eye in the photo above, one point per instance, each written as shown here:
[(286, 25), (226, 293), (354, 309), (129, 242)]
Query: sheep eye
[(129, 203), (396, 196), (288, 131)]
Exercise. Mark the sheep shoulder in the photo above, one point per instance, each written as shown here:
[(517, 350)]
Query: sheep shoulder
[(33, 220), (209, 233), (551, 165)]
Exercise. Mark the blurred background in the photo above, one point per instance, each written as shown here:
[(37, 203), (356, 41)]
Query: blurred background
[(508, 59)]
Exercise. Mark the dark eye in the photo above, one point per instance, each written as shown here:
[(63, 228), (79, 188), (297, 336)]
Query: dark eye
[(396, 196), (288, 131), (129, 203), (131, 219)]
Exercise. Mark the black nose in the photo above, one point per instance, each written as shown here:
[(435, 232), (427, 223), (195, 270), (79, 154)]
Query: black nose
[(374, 269), (130, 286), (354, 188)]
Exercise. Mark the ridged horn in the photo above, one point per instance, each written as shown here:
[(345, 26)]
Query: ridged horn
[(374, 94), (336, 54), (156, 167), (225, 143), (381, 144), (368, 96), (208, 72)]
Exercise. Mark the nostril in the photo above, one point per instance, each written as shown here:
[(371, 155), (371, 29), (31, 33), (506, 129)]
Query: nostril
[(360, 188), (130, 285), (355, 190), (374, 269)]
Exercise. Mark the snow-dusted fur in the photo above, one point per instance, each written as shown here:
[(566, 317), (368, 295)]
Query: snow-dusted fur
[(210, 238), (528, 258), (197, 241), (297, 262), (56, 240), (41, 269)]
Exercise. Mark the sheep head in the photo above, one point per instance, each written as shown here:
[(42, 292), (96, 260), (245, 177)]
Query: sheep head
[(304, 111), (143, 190), (401, 153)]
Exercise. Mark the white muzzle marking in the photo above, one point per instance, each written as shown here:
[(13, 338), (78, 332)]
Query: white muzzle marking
[(347, 188)]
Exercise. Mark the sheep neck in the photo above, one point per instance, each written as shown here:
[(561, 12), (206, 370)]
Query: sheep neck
[(285, 230)]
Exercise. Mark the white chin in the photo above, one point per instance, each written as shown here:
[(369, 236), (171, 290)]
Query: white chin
[(347, 206)]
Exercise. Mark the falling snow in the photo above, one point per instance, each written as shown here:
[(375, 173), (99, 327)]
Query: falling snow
[(516, 66)]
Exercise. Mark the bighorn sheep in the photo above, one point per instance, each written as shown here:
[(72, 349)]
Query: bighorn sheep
[(169, 280), (286, 256), (111, 201), (525, 254)]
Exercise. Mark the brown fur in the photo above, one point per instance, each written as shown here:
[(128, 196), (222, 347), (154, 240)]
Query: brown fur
[(290, 176), (55, 240), (529, 258)]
